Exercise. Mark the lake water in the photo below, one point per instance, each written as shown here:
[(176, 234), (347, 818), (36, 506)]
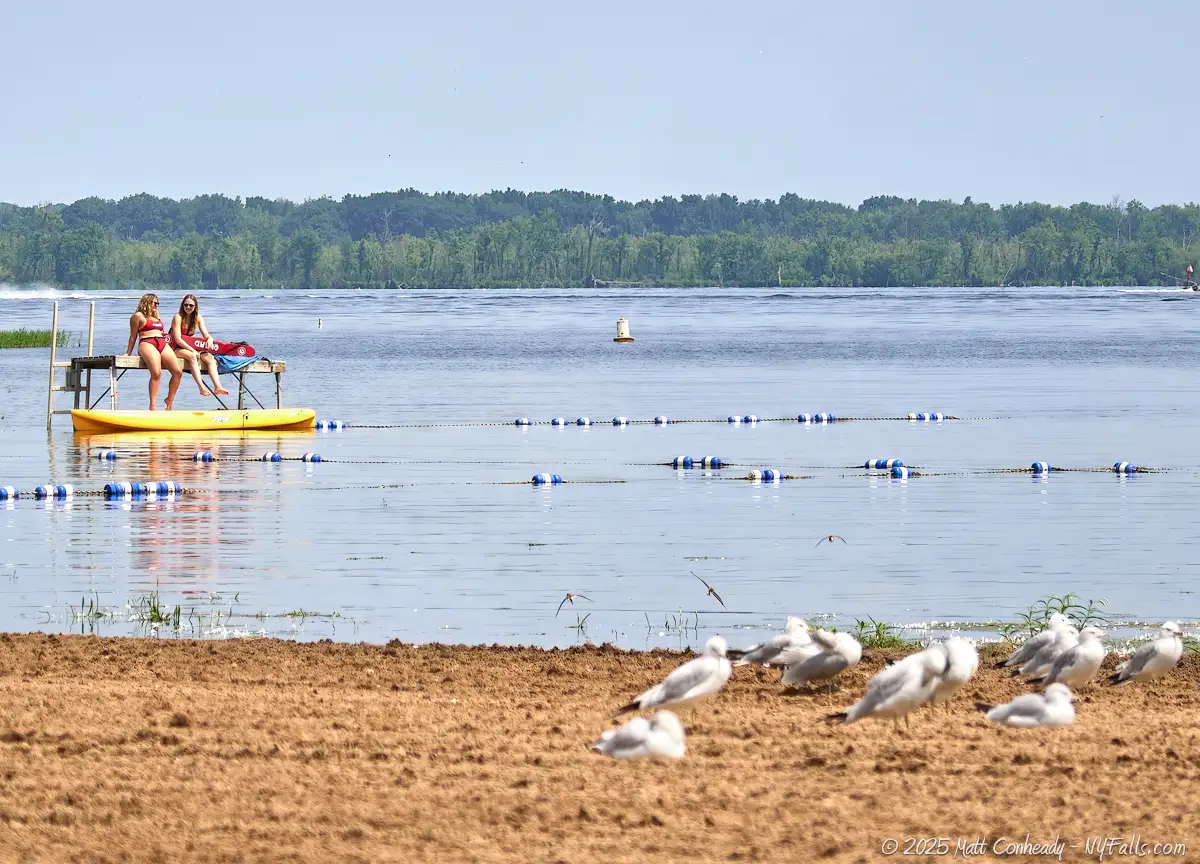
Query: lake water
[(431, 532)]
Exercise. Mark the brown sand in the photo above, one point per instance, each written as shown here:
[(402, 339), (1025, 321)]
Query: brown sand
[(258, 750)]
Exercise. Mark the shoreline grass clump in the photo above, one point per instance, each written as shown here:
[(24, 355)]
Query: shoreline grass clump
[(24, 338), (1037, 617)]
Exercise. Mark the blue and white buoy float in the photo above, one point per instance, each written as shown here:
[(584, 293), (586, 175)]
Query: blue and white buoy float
[(682, 462), (711, 462), (331, 425), (882, 464), (734, 418), (901, 472), (118, 491), (9, 493), (926, 416), (661, 420), (61, 492), (547, 480), (1041, 467), (824, 418), (107, 456), (584, 421), (202, 456), (520, 421), (559, 421), (1125, 468), (620, 421), (804, 418), (771, 475), (271, 457), (311, 457)]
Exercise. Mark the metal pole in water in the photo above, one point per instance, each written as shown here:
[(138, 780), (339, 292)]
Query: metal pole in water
[(91, 326), (53, 346)]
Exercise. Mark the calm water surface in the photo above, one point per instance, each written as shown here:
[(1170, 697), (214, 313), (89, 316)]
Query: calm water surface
[(429, 533)]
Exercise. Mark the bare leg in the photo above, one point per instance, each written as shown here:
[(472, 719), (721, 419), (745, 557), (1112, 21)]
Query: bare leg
[(153, 361), (190, 358), (211, 362), (172, 363)]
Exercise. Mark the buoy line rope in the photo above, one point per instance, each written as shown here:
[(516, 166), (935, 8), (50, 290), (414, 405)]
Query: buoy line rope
[(815, 420)]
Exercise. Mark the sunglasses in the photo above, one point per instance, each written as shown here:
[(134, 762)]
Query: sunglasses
[(189, 305)]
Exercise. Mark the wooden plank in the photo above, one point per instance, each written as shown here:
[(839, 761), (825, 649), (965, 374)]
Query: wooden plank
[(126, 361)]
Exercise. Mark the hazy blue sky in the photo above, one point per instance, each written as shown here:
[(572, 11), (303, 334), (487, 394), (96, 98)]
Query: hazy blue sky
[(1051, 100)]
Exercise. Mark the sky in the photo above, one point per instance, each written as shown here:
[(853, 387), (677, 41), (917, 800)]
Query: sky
[(1000, 100)]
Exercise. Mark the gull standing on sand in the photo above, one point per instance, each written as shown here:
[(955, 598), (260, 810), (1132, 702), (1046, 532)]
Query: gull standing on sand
[(829, 655), (794, 636), (1052, 709), (1040, 664), (691, 682), (902, 687), (1076, 666), (963, 663), (662, 736), (1154, 659), (1038, 641)]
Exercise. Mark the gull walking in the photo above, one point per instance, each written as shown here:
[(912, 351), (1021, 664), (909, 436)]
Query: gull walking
[(1038, 641), (1076, 666), (829, 655), (1154, 659), (1051, 709), (902, 687), (660, 736), (794, 636), (963, 663), (691, 682)]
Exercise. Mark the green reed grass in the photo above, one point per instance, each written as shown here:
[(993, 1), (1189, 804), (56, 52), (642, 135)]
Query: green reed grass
[(31, 338)]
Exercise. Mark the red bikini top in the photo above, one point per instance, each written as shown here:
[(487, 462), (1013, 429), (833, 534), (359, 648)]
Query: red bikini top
[(152, 324)]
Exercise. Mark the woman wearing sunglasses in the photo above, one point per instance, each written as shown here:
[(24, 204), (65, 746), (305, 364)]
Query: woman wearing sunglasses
[(146, 328), (185, 323)]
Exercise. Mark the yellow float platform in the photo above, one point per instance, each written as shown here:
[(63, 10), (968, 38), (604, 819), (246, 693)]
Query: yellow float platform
[(275, 419)]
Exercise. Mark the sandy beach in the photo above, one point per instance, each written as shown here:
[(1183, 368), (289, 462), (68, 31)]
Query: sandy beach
[(131, 750)]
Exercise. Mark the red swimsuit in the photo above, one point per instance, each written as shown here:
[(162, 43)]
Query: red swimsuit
[(159, 341)]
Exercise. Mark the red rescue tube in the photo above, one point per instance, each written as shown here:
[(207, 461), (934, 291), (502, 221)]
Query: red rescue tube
[(229, 349)]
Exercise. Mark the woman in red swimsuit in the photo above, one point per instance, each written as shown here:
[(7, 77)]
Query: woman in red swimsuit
[(148, 331), (185, 323)]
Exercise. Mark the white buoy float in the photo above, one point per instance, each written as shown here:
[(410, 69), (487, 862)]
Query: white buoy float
[(622, 331)]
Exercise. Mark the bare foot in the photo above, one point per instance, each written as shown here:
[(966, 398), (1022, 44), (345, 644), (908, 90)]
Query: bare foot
[(221, 391), (170, 404), (153, 407), (204, 391)]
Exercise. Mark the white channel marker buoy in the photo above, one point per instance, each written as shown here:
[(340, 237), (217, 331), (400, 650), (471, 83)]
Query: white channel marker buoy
[(622, 331)]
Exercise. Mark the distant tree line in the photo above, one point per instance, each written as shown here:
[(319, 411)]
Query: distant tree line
[(445, 240)]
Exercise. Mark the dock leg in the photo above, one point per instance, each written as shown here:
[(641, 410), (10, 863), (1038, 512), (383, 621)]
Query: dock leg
[(241, 391), (112, 386), (53, 347), (278, 389)]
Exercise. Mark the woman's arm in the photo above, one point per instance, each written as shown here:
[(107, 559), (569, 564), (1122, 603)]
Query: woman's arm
[(176, 329), (212, 343), (134, 323)]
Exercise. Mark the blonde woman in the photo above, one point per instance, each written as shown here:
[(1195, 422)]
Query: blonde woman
[(185, 323), (146, 328)]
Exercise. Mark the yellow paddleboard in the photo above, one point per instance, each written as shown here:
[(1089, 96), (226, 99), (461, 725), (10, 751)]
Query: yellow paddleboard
[(292, 419)]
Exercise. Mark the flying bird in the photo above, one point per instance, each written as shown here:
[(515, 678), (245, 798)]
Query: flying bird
[(829, 539), (570, 598), (712, 592)]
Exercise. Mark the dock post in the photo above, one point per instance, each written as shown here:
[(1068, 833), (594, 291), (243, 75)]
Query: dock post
[(87, 402), (53, 347), (241, 376), (278, 389)]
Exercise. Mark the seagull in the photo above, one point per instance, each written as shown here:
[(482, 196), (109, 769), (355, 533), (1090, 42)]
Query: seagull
[(901, 688), (1035, 643), (690, 683), (660, 736), (829, 655), (794, 636), (1154, 659), (830, 538), (1076, 666), (570, 598), (712, 592), (963, 663), (1053, 708), (1042, 662)]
